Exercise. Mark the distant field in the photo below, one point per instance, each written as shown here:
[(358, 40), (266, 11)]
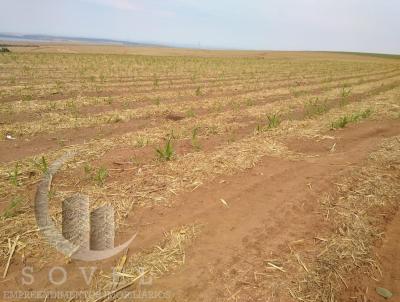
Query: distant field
[(267, 153)]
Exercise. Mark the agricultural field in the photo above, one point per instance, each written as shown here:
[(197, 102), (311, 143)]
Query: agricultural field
[(247, 176)]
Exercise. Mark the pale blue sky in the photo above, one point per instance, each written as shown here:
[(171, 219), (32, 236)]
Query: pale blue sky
[(349, 25)]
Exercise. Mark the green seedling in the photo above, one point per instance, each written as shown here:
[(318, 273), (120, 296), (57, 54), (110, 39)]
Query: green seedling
[(366, 113), (166, 153), (172, 135), (87, 168), (340, 123), (198, 91), (13, 175), (141, 142), (52, 106), (115, 119), (344, 96), (315, 107), (157, 101), (42, 165), (51, 194), (101, 176), (355, 117), (27, 98), (273, 121), (71, 106), (190, 113), (259, 129), (250, 102), (195, 141), (11, 210)]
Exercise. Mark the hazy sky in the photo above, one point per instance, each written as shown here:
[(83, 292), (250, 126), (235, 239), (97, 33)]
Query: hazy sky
[(351, 25)]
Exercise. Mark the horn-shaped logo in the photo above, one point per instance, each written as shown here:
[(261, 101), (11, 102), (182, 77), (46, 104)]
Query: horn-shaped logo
[(86, 236)]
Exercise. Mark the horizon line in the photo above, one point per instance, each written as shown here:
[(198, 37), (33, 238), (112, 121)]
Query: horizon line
[(17, 37)]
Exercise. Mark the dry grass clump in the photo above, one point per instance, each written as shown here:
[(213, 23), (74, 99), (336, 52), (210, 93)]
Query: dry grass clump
[(164, 257), (358, 214), (153, 263)]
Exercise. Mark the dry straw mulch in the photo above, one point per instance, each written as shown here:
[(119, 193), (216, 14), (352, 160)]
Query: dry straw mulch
[(132, 272), (358, 213)]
